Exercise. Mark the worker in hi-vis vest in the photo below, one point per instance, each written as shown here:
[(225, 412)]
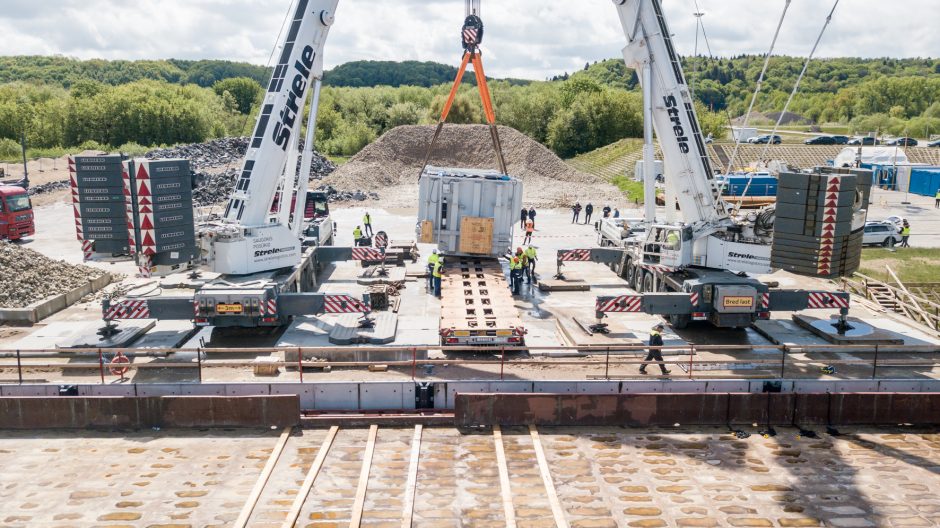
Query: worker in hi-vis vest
[(367, 221)]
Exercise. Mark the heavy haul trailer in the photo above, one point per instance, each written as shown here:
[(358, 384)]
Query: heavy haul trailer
[(722, 298), (470, 215)]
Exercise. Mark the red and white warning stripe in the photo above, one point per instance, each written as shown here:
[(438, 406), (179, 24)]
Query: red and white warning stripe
[(470, 36), (827, 238), (693, 298), (344, 304), (575, 255), (367, 254), (128, 310), (73, 184), (623, 303), (268, 307), (87, 249), (656, 268), (765, 301), (828, 300), (129, 208), (148, 244), (143, 266)]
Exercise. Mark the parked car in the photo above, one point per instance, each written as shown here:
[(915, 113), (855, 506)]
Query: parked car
[(902, 142), (883, 234), (864, 141), (820, 140), (840, 140), (760, 140), (934, 143)]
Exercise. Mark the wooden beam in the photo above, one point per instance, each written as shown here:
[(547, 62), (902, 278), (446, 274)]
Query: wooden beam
[(910, 297), (508, 509), (312, 473), (557, 511), (363, 479), (408, 509), (252, 500)]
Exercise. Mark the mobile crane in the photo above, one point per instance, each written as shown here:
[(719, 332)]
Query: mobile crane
[(260, 253), (268, 257), (707, 254)]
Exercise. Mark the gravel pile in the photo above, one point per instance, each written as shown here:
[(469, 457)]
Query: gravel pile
[(394, 160), (226, 152), (27, 276), (45, 188), (218, 162)]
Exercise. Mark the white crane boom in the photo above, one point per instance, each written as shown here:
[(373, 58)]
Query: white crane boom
[(251, 239), (669, 104)]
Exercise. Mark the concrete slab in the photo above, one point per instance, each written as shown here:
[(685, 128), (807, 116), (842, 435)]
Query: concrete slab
[(130, 331), (348, 331), (860, 333), (371, 276), (166, 334), (49, 336)]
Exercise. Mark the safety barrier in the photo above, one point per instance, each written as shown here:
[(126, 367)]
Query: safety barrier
[(80, 412), (619, 362), (645, 410)]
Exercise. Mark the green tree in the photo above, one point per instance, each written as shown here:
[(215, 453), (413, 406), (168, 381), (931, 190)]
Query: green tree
[(246, 92)]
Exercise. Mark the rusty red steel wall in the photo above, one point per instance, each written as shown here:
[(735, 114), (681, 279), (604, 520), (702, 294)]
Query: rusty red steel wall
[(144, 412), (641, 410)]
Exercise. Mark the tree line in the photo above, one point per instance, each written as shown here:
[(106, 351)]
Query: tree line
[(60, 102)]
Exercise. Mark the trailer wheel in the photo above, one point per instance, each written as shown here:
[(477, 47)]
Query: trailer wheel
[(647, 283), (680, 321)]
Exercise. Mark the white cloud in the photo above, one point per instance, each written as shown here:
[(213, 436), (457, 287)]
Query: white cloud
[(524, 38)]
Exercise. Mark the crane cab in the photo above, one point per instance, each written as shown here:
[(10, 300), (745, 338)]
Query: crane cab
[(668, 245)]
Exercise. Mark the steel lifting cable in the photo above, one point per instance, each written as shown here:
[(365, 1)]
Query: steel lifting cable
[(760, 80), (799, 79)]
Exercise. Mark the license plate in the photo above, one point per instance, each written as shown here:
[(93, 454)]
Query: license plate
[(738, 302), (229, 308)]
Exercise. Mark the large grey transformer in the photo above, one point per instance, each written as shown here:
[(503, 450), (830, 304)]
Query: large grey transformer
[(468, 211)]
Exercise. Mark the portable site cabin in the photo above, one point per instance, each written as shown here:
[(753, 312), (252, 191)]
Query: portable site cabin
[(914, 178)]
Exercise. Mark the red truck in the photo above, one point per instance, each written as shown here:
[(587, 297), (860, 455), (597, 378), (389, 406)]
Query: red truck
[(16, 213)]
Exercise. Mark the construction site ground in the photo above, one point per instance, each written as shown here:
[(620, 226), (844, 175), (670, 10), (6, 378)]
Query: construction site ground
[(589, 477), (548, 317)]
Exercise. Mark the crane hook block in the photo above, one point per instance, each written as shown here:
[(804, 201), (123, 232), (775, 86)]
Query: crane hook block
[(472, 34)]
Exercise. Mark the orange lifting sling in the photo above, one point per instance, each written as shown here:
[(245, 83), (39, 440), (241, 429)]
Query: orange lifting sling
[(472, 35)]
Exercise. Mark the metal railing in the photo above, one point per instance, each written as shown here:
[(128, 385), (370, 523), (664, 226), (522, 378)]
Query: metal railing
[(592, 362)]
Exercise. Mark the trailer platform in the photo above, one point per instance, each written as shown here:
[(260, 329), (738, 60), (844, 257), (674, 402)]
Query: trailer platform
[(476, 304)]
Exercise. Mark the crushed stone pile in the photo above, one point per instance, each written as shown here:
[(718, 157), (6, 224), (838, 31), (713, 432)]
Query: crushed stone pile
[(48, 187), (27, 276), (217, 163), (395, 160)]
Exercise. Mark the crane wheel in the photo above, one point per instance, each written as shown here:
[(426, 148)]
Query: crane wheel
[(680, 321)]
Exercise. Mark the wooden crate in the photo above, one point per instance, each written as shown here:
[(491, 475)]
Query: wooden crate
[(427, 232), (476, 235)]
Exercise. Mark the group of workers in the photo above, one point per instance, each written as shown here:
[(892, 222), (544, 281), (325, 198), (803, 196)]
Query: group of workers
[(522, 265), (589, 210), (364, 238)]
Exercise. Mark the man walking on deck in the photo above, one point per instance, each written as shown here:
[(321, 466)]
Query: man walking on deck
[(655, 354)]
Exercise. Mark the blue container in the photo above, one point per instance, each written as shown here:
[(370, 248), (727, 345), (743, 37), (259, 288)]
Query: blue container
[(759, 186)]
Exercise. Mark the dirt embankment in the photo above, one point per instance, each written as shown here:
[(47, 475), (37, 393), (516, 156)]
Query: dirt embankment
[(390, 166)]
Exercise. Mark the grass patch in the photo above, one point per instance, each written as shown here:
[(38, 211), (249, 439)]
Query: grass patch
[(606, 156), (633, 189), (339, 160), (910, 264)]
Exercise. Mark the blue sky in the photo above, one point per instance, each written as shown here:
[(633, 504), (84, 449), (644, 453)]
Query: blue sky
[(525, 38)]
